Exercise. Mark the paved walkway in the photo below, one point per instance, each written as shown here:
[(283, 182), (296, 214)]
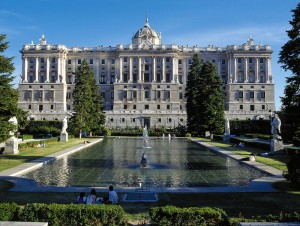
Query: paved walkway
[(28, 185)]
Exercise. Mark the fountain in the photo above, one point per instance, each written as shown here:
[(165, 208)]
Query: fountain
[(144, 161)]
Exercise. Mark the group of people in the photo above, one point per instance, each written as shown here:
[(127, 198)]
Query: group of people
[(93, 199)]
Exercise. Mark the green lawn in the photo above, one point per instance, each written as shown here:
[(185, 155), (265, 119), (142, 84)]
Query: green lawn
[(29, 154), (276, 161)]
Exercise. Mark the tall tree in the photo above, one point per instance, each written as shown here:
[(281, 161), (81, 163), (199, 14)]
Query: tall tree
[(8, 95), (210, 100), (88, 109), (289, 58), (191, 93), (205, 98)]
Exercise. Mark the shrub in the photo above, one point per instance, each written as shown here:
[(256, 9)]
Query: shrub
[(73, 214), (296, 138), (27, 137), (8, 211), (171, 215), (188, 135), (294, 170), (105, 131)]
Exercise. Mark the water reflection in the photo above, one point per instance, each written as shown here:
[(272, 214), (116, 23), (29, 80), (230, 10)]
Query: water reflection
[(174, 163)]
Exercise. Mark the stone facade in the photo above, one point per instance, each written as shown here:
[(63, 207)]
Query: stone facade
[(143, 83)]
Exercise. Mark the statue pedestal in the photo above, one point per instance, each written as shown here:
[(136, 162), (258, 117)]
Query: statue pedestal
[(64, 136), (11, 146), (226, 138), (276, 145)]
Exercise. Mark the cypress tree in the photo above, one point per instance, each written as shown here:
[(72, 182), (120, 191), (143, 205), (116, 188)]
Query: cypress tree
[(289, 58)]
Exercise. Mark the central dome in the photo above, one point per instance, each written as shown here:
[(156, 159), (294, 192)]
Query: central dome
[(146, 36)]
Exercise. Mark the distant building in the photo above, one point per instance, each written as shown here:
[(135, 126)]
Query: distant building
[(143, 83)]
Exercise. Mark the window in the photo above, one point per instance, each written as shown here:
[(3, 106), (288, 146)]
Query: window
[(168, 106), (112, 95), (250, 60), (251, 107), (241, 94), (180, 95), (146, 107), (69, 61), (53, 60), (31, 60), (263, 107), (103, 95), (159, 119), (251, 94), (91, 61), (180, 107), (168, 59), (102, 61), (134, 106), (68, 95), (261, 60), (125, 59), (190, 61), (51, 107), (241, 107), (146, 67), (158, 107), (40, 107), (179, 61), (68, 107), (124, 94), (158, 77), (239, 60), (29, 106), (223, 61), (125, 106), (262, 94), (134, 94), (168, 77), (42, 60), (147, 94), (79, 61), (158, 94), (52, 94), (112, 61)]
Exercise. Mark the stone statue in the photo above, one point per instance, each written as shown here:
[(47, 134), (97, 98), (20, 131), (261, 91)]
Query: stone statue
[(276, 126), (14, 121), (65, 125), (227, 127)]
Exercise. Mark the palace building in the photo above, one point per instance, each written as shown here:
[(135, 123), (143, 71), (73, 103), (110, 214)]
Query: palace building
[(143, 83)]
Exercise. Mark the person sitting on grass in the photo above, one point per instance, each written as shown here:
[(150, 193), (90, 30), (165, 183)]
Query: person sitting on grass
[(81, 199), (91, 199)]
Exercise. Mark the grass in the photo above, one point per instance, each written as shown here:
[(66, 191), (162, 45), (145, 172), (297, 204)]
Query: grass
[(29, 154), (276, 161)]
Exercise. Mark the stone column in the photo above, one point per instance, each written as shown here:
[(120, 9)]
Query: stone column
[(97, 72), (48, 69), (140, 70), (108, 66), (235, 70), (257, 70), (36, 69), (229, 79), (219, 68), (163, 69), (246, 69), (63, 69), (153, 69), (130, 70), (121, 69), (73, 70), (268, 70), (174, 71), (25, 68), (185, 69), (58, 70)]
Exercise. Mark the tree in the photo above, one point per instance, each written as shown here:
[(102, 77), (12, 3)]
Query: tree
[(205, 98), (191, 93), (289, 58), (88, 109), (8, 95)]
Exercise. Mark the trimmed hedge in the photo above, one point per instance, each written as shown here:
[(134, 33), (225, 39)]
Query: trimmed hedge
[(64, 214), (171, 215), (32, 144)]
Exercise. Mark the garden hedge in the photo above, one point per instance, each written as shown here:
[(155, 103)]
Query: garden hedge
[(171, 215), (64, 214)]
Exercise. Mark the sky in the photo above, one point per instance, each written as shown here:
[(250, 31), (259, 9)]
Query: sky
[(90, 23)]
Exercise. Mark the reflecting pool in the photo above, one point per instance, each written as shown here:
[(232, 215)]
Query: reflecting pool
[(171, 163)]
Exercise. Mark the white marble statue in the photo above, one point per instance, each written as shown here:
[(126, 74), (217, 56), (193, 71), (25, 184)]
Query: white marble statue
[(227, 127), (276, 125), (14, 121), (65, 125)]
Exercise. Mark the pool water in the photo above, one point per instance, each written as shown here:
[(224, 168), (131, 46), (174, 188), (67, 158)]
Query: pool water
[(171, 163)]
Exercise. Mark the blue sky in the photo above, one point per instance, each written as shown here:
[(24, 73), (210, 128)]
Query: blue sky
[(183, 22)]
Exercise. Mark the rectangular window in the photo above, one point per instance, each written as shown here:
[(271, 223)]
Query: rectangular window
[(180, 95), (146, 107), (241, 94), (158, 94), (263, 107), (158, 107), (251, 107), (112, 95), (69, 61), (79, 61), (42, 60), (179, 61), (223, 61), (262, 94), (168, 106), (124, 94), (112, 61), (250, 60), (68, 95), (91, 61), (261, 60), (147, 94), (125, 59), (125, 106), (134, 106), (31, 60), (29, 106), (241, 107), (103, 61), (51, 106), (40, 107), (251, 94), (168, 59), (53, 60), (68, 107), (239, 60)]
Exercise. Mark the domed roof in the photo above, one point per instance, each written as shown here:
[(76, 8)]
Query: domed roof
[(146, 35)]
